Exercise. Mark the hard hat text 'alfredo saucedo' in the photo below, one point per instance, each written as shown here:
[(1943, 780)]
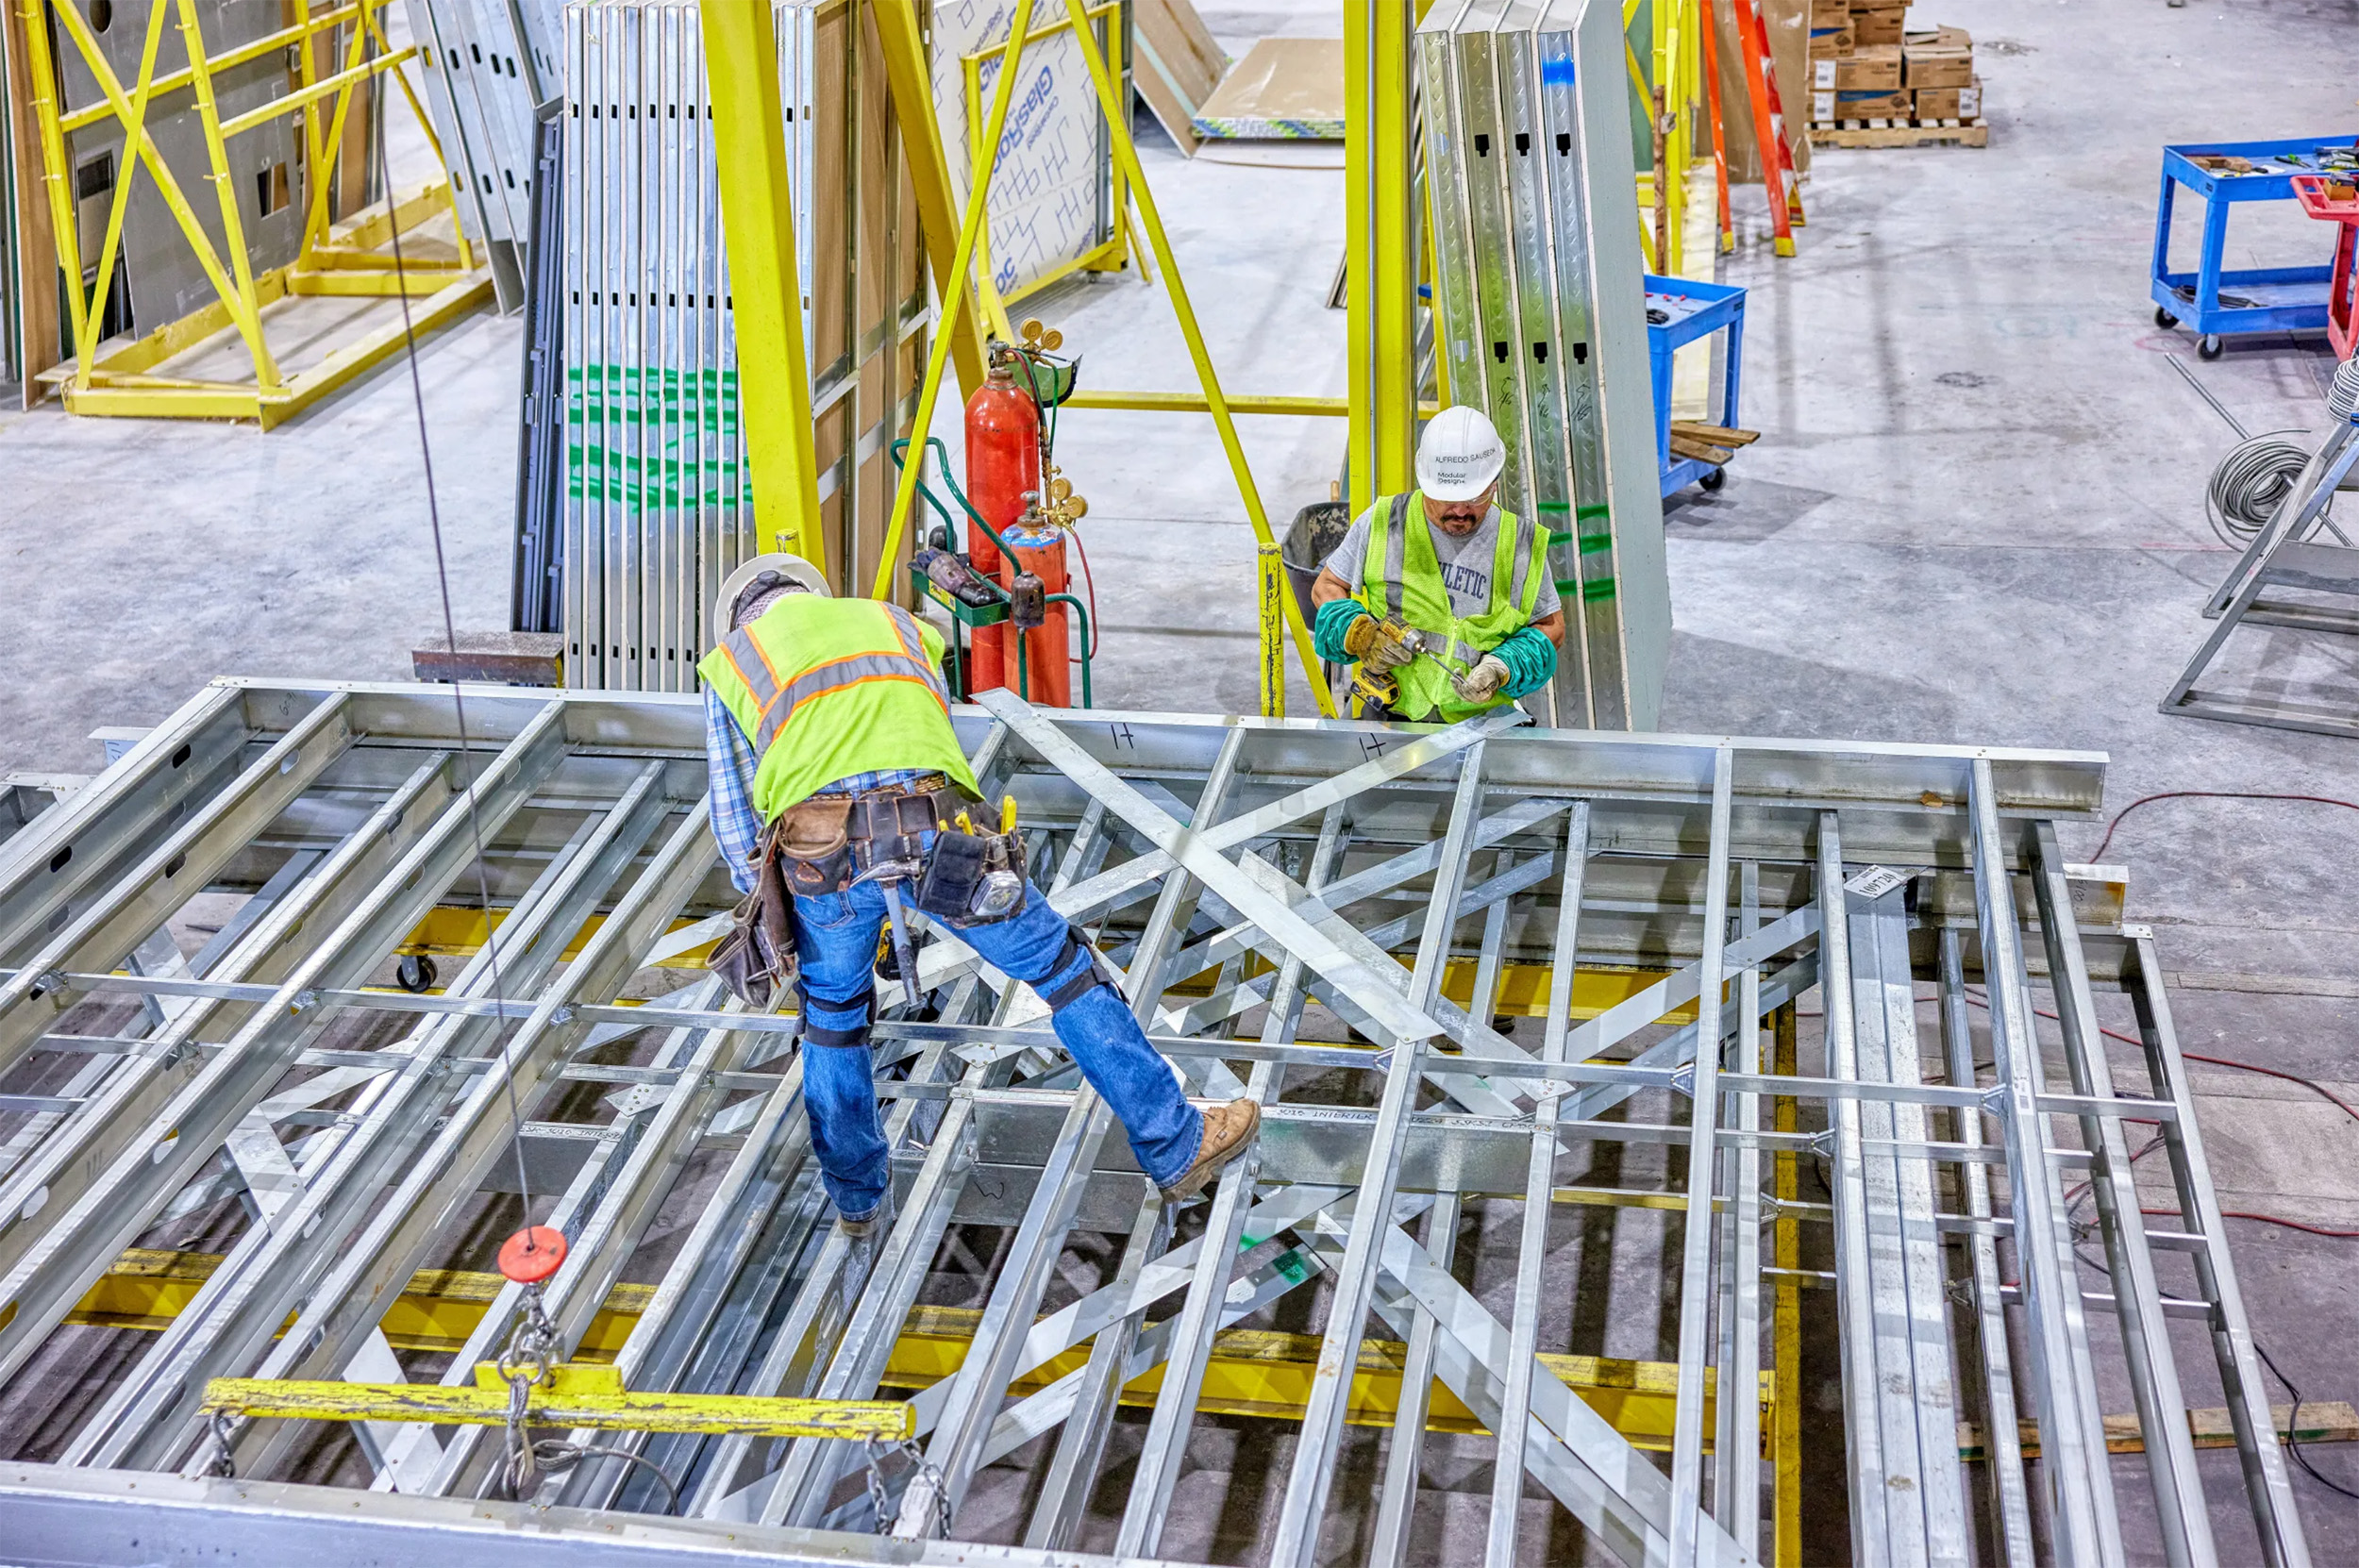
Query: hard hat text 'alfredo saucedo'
[(1459, 456)]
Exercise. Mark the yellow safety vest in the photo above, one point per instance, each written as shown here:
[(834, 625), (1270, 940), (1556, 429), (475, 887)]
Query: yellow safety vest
[(1410, 587), (828, 687)]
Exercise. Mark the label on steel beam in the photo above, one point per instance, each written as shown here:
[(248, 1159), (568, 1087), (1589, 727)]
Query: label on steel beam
[(1876, 881)]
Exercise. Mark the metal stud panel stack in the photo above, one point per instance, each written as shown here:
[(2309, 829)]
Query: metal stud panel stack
[(658, 507), (329, 1138), (1542, 317), (487, 64)]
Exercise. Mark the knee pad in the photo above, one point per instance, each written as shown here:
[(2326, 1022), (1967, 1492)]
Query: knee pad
[(837, 1030), (1092, 975)]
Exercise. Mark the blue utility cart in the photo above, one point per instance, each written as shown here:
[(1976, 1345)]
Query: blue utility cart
[(2215, 303), (1679, 312)]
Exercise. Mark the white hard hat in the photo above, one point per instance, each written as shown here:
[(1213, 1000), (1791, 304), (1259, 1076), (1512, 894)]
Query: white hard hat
[(1460, 455), (750, 590)]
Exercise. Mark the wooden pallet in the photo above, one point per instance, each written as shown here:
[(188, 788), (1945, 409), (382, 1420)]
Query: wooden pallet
[(1899, 133)]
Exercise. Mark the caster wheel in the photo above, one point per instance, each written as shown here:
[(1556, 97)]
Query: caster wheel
[(2209, 348), (2164, 318), (1713, 478), (416, 973)]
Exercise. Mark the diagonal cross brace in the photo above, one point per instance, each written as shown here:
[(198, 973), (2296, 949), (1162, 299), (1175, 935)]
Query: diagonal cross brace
[(1201, 857)]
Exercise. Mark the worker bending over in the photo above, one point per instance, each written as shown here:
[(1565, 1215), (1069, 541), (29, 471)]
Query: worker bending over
[(834, 769), (1446, 602)]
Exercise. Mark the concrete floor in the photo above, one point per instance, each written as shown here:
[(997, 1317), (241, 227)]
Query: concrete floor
[(1974, 515)]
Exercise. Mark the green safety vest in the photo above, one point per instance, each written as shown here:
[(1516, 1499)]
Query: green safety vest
[(828, 687), (1410, 587)]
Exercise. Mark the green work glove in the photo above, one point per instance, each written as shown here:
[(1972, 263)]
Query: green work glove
[(1332, 625), (1530, 658)]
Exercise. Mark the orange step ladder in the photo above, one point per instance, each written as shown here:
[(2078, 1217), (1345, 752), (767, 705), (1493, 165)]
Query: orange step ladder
[(1777, 154)]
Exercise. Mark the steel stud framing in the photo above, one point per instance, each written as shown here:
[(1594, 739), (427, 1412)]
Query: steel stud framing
[(1236, 871)]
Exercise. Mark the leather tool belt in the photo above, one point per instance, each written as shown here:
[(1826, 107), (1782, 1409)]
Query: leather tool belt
[(828, 841)]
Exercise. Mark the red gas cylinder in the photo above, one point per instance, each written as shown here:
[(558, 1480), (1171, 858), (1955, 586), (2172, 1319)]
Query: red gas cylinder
[(1038, 543), (1002, 464)]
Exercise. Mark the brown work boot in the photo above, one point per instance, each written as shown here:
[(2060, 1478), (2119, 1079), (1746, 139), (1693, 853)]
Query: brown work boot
[(1227, 1128)]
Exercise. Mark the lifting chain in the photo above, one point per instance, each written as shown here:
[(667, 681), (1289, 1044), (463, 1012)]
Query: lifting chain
[(921, 1468), (533, 1349), (222, 1430)]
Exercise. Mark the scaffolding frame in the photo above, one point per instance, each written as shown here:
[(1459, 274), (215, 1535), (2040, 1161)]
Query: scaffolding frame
[(1234, 869)]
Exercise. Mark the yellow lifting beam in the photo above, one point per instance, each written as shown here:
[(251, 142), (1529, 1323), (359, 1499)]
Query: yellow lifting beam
[(1251, 1372), (571, 1394), (765, 279), (1267, 1374), (1786, 1313)]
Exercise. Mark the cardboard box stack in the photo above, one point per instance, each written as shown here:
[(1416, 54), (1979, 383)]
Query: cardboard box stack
[(1865, 64)]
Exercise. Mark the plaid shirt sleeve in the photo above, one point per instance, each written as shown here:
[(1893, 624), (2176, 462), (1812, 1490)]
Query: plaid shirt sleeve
[(729, 763)]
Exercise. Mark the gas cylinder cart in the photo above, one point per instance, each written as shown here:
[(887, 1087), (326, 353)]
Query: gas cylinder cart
[(2215, 303), (1680, 310), (945, 575)]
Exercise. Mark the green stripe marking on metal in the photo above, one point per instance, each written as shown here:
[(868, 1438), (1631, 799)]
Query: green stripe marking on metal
[(1601, 589), (655, 438)]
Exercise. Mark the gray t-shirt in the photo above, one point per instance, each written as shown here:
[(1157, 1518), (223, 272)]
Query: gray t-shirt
[(1464, 559)]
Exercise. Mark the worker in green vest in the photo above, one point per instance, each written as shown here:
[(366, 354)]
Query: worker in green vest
[(1446, 602), (839, 793)]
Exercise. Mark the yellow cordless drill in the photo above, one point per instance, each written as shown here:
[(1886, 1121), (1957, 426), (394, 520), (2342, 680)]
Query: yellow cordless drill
[(1381, 646)]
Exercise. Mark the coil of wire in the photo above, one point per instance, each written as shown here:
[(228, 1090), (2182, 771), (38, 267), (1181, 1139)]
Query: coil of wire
[(2342, 398), (2249, 483)]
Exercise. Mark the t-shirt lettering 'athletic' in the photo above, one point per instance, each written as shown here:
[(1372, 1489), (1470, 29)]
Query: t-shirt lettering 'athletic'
[(1464, 559)]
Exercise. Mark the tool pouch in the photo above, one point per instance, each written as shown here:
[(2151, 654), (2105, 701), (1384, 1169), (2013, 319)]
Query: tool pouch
[(973, 878), (757, 959), (812, 841), (889, 830)]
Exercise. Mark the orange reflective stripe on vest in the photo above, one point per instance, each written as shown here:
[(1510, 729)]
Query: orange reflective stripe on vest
[(778, 704)]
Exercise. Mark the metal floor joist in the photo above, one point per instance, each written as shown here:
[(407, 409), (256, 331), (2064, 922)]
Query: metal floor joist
[(337, 1138)]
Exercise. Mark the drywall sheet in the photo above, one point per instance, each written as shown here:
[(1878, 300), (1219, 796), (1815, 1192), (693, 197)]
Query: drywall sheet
[(1288, 89), (1179, 64)]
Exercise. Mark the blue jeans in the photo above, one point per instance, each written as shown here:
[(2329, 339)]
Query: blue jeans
[(837, 934)]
